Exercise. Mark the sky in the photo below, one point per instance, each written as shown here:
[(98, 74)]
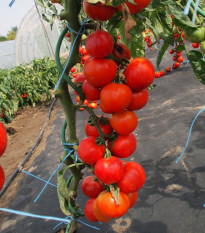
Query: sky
[(12, 16)]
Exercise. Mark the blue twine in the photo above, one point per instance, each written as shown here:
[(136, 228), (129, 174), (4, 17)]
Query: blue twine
[(60, 223), (28, 173), (35, 215), (78, 33), (195, 10), (70, 29), (71, 144), (189, 134), (186, 9), (62, 220), (11, 3), (52, 176)]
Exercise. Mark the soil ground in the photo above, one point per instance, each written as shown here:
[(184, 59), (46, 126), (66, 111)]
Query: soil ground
[(22, 133)]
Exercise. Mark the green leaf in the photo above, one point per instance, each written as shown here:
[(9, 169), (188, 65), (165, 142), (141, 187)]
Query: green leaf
[(180, 48), (45, 18), (161, 53), (62, 190), (40, 3), (198, 64)]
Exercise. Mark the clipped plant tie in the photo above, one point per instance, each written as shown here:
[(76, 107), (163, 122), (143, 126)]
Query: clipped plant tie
[(129, 21)]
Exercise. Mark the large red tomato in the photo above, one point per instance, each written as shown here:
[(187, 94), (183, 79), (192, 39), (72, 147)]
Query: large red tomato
[(89, 152), (123, 146), (124, 122), (108, 170), (90, 92), (135, 8), (98, 11), (98, 214), (139, 99), (2, 177), (100, 72), (109, 208), (90, 187), (139, 73), (92, 130), (88, 209), (3, 139), (99, 44), (115, 97), (133, 178), (79, 79)]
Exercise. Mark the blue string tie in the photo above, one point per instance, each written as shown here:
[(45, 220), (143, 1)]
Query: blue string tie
[(11, 3), (189, 134), (71, 51)]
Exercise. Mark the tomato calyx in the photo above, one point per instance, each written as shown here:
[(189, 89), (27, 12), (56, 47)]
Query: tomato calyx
[(115, 193)]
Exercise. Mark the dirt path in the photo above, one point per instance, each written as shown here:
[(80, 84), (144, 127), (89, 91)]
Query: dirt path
[(23, 132)]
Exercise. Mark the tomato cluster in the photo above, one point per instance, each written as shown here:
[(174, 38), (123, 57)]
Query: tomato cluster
[(120, 91), (3, 144)]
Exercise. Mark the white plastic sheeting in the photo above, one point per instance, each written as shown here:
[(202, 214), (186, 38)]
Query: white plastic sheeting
[(33, 40), (7, 54)]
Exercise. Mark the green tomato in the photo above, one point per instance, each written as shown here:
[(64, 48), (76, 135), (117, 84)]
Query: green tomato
[(202, 47), (195, 35)]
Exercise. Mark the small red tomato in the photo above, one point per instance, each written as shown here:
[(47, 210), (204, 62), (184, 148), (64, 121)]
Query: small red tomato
[(90, 187), (124, 122), (161, 72), (139, 99), (168, 68), (88, 209), (157, 74), (108, 170), (123, 146), (180, 59), (93, 105), (74, 75), (195, 45), (171, 51), (73, 69), (89, 152)]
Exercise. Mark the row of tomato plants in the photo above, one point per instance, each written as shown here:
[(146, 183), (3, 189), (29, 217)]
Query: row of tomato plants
[(26, 85)]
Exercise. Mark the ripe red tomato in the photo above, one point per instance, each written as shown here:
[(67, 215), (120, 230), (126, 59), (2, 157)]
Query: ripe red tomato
[(98, 214), (115, 97), (139, 73), (180, 59), (2, 177), (88, 209), (90, 92), (121, 51), (124, 122), (92, 130), (133, 198), (195, 45), (99, 44), (139, 99), (123, 146), (3, 139), (109, 208), (99, 72), (135, 8), (171, 51), (98, 11), (79, 79), (73, 69), (157, 74), (168, 68), (93, 105), (161, 72), (90, 187), (108, 170), (133, 178), (89, 152)]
